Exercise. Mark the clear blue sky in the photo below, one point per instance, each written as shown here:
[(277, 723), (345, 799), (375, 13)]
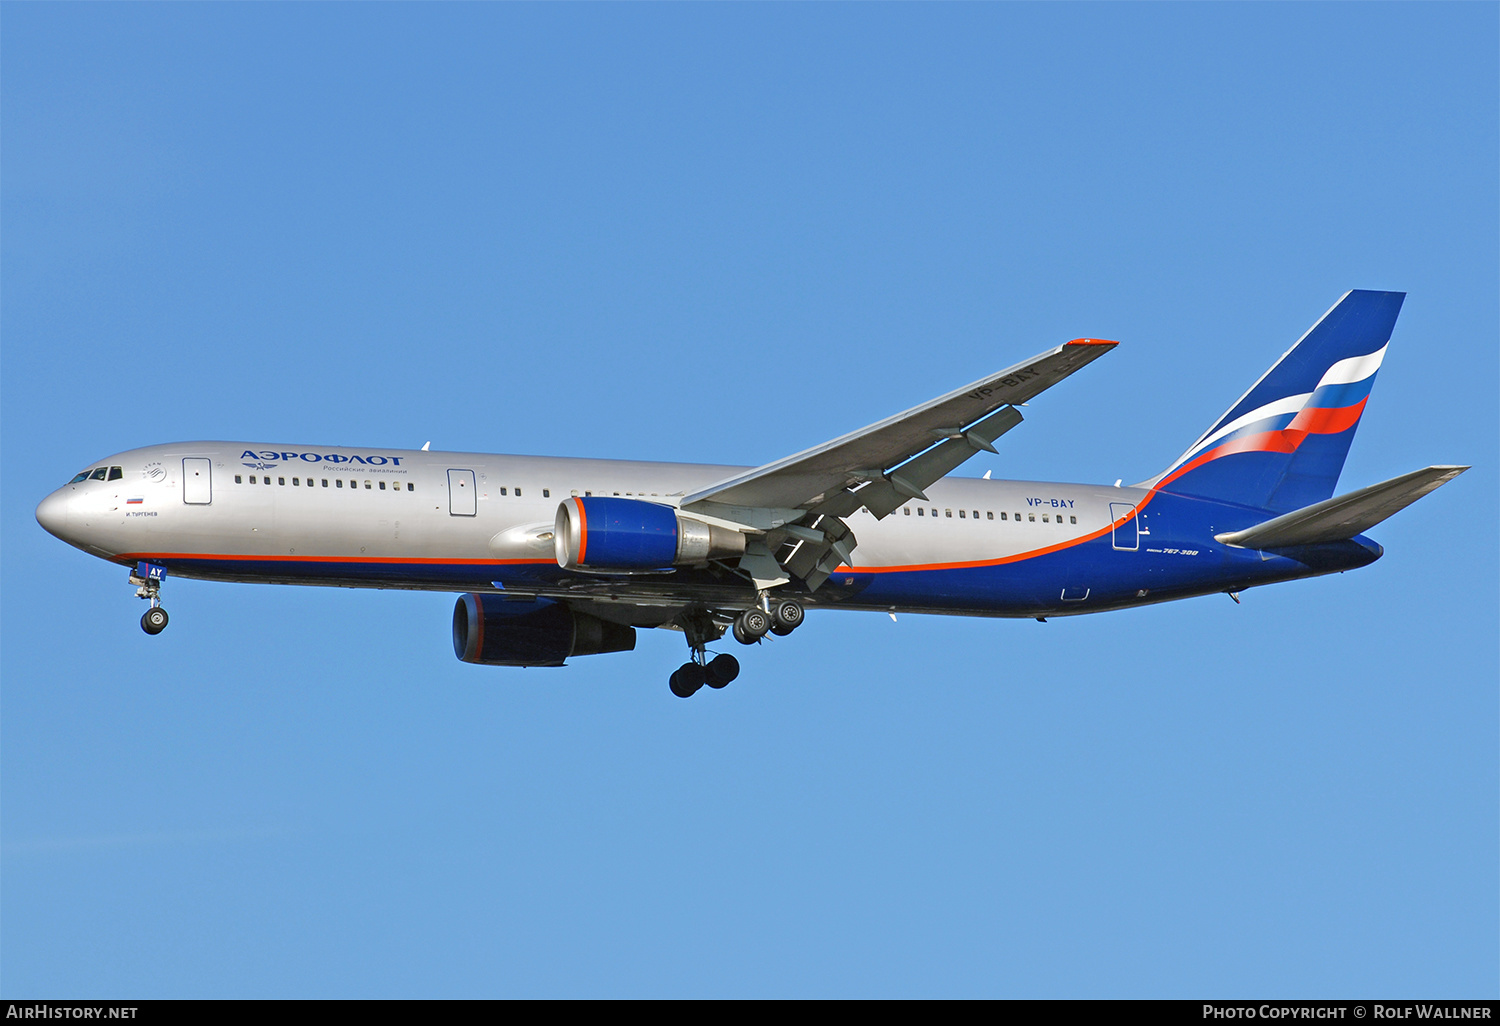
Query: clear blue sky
[(725, 233)]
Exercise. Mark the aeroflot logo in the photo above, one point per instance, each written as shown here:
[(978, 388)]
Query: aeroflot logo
[(314, 457)]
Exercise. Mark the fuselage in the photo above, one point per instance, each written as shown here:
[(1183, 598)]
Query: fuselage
[(471, 522)]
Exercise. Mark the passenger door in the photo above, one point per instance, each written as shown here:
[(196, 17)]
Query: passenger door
[(197, 481), (461, 502)]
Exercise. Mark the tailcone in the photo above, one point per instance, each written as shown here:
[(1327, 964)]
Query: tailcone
[(1333, 557)]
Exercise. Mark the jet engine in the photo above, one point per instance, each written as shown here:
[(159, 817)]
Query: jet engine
[(596, 533), (494, 631)]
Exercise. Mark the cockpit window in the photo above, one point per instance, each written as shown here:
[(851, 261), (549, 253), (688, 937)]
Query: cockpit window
[(98, 475), (80, 477), (115, 473)]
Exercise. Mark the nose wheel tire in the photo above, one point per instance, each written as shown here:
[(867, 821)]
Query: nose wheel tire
[(154, 620)]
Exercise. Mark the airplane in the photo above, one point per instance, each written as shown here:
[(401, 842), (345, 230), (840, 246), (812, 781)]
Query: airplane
[(565, 557)]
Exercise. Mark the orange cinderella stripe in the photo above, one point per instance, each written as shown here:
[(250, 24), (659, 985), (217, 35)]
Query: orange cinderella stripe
[(1092, 342), (1029, 554)]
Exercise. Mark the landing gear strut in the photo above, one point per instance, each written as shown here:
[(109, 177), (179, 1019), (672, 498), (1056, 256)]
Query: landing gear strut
[(701, 629), (147, 578), (780, 617)]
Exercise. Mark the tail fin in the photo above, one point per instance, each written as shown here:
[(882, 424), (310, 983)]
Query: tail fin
[(1282, 446)]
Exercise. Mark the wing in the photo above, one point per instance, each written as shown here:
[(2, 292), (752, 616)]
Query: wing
[(799, 502), (960, 423)]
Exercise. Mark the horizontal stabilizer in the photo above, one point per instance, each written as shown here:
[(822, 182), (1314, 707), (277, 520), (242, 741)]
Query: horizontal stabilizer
[(1342, 516)]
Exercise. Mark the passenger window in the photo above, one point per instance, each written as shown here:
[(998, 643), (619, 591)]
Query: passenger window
[(252, 479), (382, 486), (518, 493), (339, 483), (115, 473), (934, 512), (1003, 516), (1031, 517), (921, 512), (907, 511), (296, 482), (1044, 518), (502, 491), (989, 514), (587, 492), (960, 514), (367, 486), (1072, 520), (546, 493), (237, 479), (976, 514), (265, 480), (98, 475), (410, 487), (947, 513), (281, 480)]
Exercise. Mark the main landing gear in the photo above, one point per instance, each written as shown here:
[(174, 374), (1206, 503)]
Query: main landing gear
[(749, 626), (147, 578), (716, 673), (779, 618)]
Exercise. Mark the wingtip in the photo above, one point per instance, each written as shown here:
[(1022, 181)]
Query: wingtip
[(1092, 342)]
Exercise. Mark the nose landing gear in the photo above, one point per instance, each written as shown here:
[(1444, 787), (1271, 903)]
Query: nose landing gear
[(147, 578)]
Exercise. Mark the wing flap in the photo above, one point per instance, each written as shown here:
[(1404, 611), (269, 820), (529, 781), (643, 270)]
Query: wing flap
[(910, 479), (1342, 516)]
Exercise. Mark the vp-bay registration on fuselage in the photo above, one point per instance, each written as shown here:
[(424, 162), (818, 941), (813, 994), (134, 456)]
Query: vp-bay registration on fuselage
[(568, 557)]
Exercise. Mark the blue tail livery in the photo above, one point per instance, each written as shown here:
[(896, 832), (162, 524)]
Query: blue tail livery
[(565, 557), (1282, 446)]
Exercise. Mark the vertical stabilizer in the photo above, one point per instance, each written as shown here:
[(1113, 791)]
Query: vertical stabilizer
[(1282, 446)]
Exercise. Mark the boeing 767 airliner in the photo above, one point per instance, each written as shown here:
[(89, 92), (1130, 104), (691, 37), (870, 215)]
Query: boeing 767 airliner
[(567, 557)]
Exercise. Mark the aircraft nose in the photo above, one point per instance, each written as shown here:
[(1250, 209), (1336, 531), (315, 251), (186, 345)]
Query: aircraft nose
[(52, 514)]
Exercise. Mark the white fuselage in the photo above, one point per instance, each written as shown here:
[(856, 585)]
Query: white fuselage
[(417, 519)]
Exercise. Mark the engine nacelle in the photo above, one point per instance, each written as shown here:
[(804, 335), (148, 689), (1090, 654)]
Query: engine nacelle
[(597, 533), (490, 630)]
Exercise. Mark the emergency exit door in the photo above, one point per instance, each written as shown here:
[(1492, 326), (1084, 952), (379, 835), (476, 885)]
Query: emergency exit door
[(197, 482), (461, 493)]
